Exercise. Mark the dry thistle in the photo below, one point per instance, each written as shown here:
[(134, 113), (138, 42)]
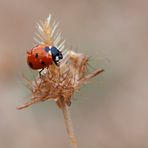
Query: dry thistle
[(59, 83)]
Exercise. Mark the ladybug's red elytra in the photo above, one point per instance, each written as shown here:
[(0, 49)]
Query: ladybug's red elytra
[(41, 56)]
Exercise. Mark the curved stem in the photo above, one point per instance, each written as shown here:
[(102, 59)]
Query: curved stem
[(69, 126)]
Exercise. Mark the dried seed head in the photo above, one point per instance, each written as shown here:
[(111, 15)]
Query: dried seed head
[(59, 83)]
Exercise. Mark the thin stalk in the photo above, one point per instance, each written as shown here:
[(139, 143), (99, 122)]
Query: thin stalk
[(69, 127)]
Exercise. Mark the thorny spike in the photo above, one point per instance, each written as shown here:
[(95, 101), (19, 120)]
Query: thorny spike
[(40, 29), (49, 19), (36, 40), (54, 29), (57, 39), (56, 35), (61, 46), (28, 103)]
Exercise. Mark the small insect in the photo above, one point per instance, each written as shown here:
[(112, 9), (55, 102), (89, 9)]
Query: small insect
[(41, 56)]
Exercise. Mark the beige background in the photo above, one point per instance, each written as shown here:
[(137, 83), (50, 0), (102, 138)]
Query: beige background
[(110, 112)]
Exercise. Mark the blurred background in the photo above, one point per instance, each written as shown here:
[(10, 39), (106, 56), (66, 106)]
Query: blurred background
[(112, 110)]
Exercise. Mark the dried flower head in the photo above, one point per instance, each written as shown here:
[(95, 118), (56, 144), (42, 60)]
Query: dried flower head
[(58, 83)]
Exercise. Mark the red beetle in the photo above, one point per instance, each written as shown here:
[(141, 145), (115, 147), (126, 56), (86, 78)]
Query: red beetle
[(41, 56)]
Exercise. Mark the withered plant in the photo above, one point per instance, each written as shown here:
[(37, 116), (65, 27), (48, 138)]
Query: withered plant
[(59, 83)]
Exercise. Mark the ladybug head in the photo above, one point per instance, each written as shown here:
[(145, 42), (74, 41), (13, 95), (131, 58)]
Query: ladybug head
[(56, 54)]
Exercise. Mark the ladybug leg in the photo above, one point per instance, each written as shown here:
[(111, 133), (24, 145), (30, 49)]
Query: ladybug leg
[(40, 72)]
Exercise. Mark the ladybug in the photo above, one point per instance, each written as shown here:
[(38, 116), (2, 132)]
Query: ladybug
[(41, 56)]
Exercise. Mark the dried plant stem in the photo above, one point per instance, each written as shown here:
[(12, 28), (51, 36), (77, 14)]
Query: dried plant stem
[(69, 127)]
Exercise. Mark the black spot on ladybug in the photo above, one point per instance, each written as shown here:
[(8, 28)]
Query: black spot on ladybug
[(43, 63), (30, 64), (36, 55)]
